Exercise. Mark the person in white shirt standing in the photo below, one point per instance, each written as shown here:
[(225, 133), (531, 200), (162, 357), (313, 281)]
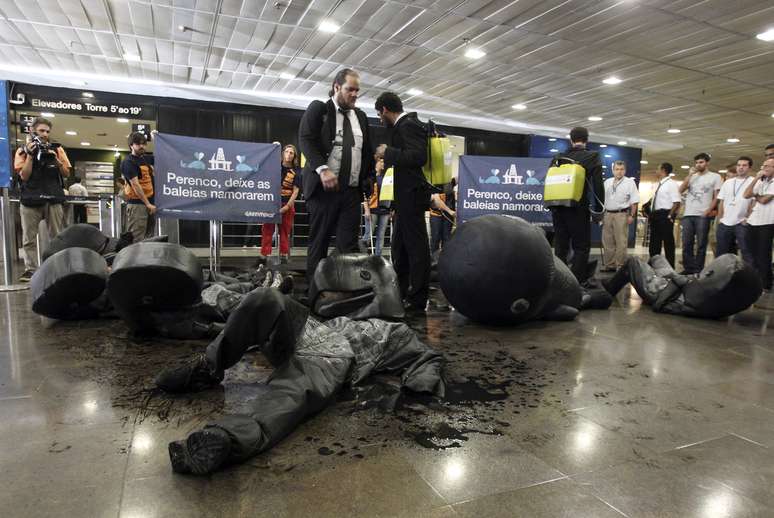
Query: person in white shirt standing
[(761, 220), (733, 209), (79, 210), (621, 199), (663, 210), (701, 190)]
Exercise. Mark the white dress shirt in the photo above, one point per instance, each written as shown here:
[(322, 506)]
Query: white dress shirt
[(334, 160), (620, 194), (666, 195)]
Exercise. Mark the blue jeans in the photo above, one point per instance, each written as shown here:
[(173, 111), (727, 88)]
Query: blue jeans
[(381, 229), (440, 232), (739, 233), (695, 234)]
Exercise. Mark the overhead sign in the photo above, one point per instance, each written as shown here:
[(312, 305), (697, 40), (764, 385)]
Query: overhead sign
[(217, 180), (142, 128), (5, 144), (92, 107), (503, 185)]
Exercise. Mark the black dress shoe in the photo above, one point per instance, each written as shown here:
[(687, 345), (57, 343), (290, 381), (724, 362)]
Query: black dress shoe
[(201, 453), (194, 376)]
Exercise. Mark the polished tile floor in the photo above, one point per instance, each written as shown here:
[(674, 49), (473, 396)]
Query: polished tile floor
[(620, 413)]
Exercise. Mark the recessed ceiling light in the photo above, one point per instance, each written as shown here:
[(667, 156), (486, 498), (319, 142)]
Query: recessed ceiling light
[(674, 131), (414, 91), (182, 28), (87, 94), (594, 118), (286, 75), (644, 162), (612, 80), (131, 57), (722, 170), (329, 26), (623, 143), (122, 120), (604, 167), (553, 150), (85, 143), (78, 82), (552, 140), (47, 114), (71, 132), (732, 140), (475, 53), (766, 36), (608, 156), (603, 145), (685, 167), (519, 106)]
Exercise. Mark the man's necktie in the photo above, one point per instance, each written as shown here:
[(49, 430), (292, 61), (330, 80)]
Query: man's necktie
[(347, 143)]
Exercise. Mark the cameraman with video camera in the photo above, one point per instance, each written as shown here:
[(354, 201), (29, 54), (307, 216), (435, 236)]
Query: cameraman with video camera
[(41, 165)]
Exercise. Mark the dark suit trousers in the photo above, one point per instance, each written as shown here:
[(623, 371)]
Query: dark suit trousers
[(334, 212), (411, 248), (662, 231), (572, 228)]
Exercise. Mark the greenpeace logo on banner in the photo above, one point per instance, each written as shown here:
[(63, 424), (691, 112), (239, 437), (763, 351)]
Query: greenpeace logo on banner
[(240, 181), (518, 191)]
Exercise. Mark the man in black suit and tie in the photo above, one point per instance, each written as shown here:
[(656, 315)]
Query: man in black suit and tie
[(407, 153), (334, 138)]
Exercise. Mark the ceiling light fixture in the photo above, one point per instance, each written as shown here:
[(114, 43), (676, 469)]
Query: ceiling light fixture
[(766, 36), (85, 144), (732, 140), (644, 162), (603, 145), (71, 132), (612, 80), (552, 140), (122, 120), (722, 170), (475, 53), (131, 57), (47, 114), (88, 94), (673, 131), (519, 106), (623, 143), (286, 75), (415, 91), (116, 154), (554, 150), (685, 167), (608, 156), (595, 118), (329, 26)]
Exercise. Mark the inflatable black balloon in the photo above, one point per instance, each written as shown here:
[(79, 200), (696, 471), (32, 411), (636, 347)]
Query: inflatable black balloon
[(501, 270)]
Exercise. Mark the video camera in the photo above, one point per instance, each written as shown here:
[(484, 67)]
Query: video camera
[(43, 146)]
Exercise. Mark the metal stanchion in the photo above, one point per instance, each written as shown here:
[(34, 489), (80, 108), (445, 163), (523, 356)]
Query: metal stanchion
[(216, 244), (115, 216), (105, 217), (8, 231)]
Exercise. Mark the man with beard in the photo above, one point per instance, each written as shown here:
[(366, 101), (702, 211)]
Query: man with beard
[(137, 170), (334, 138)]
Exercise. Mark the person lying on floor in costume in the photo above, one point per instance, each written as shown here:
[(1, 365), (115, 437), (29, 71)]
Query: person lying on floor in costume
[(724, 287), (312, 361)]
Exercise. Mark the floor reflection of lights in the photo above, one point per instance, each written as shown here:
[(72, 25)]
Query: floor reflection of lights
[(142, 443), (585, 437), (454, 470), (719, 504)]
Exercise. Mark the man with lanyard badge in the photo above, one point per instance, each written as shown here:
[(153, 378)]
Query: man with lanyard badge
[(733, 209), (621, 199)]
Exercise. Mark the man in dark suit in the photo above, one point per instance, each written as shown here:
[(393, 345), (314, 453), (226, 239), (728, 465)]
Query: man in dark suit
[(407, 153), (334, 138)]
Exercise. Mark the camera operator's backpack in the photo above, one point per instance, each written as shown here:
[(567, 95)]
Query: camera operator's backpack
[(438, 168), (564, 183)]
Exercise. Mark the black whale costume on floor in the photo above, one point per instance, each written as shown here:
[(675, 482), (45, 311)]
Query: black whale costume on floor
[(501, 270), (312, 361), (724, 287)]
